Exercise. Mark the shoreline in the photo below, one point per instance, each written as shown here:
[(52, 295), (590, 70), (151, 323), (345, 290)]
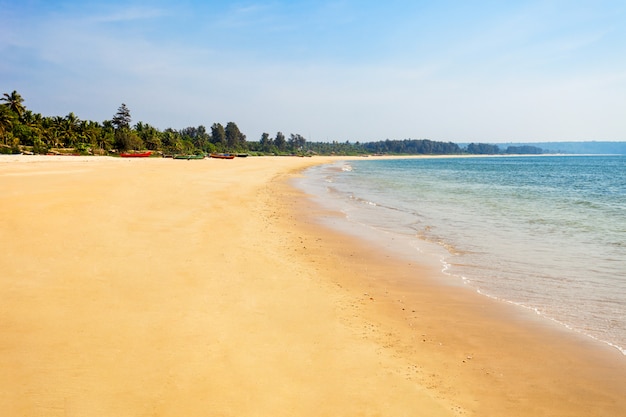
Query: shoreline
[(563, 346), (413, 247), (191, 287)]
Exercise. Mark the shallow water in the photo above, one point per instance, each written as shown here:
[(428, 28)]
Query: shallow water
[(547, 233)]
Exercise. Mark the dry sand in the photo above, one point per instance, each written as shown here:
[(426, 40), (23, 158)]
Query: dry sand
[(159, 287)]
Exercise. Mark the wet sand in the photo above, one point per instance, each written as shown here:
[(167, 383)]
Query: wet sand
[(165, 287)]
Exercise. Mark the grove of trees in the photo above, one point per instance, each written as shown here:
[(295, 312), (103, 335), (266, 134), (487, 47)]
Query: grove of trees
[(22, 130)]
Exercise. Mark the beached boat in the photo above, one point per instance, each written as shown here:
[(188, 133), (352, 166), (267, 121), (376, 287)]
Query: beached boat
[(189, 157), (222, 156), (136, 154)]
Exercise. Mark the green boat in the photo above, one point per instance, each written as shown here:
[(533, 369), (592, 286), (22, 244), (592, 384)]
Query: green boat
[(189, 157)]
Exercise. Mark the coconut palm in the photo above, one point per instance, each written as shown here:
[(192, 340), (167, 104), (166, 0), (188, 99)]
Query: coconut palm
[(69, 128), (6, 123), (14, 102), (89, 132), (56, 129)]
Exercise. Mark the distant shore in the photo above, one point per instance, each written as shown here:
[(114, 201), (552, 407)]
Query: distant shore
[(162, 287)]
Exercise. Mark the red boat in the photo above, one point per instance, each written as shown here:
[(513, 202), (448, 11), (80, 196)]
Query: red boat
[(136, 154)]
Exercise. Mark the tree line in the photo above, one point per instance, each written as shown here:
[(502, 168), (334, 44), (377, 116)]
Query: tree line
[(22, 130)]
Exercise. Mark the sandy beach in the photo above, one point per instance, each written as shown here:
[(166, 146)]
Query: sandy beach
[(160, 287)]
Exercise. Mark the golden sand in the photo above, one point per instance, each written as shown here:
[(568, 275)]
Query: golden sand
[(160, 287)]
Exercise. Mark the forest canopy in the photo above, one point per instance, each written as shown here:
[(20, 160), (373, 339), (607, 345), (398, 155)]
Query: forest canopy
[(22, 130)]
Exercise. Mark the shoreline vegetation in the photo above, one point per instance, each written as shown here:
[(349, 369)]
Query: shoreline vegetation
[(147, 288), (23, 131)]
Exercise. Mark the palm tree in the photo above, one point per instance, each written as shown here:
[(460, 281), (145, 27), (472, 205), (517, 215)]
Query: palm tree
[(57, 129), (14, 102), (106, 138), (89, 132), (149, 135), (6, 122), (69, 128), (48, 130)]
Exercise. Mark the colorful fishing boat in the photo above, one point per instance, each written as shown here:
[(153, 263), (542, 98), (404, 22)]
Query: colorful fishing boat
[(189, 157), (136, 154), (222, 156)]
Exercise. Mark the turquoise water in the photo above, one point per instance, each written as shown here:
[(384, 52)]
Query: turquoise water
[(545, 233)]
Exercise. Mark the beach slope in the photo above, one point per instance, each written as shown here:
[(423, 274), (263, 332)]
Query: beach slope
[(161, 287)]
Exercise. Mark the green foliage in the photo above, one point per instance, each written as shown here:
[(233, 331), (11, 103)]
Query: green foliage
[(14, 102), (149, 135), (121, 119), (218, 136), (7, 119), (126, 139), (197, 137), (234, 138), (296, 143), (483, 149), (524, 150), (15, 146), (412, 146), (280, 142), (24, 134), (21, 127)]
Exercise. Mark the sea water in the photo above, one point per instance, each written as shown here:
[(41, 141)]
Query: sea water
[(547, 233)]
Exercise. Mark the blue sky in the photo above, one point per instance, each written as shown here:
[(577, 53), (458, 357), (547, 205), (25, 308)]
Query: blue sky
[(491, 71)]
